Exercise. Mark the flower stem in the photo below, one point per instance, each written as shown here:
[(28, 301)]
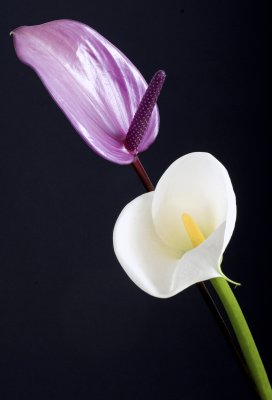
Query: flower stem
[(223, 327), (142, 174), (244, 337)]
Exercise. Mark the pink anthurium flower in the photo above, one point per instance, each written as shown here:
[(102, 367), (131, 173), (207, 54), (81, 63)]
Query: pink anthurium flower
[(151, 238), (95, 85)]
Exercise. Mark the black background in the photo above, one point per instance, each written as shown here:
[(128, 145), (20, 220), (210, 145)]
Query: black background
[(72, 325)]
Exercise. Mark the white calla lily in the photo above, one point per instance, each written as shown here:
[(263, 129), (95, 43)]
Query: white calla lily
[(151, 240)]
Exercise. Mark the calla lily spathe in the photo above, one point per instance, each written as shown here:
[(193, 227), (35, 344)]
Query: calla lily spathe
[(150, 240), (93, 82)]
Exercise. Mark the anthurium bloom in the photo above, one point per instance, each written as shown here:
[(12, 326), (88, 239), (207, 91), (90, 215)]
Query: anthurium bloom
[(154, 234), (93, 82)]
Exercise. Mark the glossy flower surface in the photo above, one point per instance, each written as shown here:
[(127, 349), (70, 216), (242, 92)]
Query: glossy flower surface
[(93, 82), (150, 239)]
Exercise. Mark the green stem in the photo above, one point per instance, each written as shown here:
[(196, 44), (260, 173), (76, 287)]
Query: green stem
[(244, 337)]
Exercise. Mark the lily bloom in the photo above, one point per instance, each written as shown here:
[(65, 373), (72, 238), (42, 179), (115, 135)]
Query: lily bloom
[(95, 85), (156, 237)]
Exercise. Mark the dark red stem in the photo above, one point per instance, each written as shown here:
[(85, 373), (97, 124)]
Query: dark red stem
[(141, 172)]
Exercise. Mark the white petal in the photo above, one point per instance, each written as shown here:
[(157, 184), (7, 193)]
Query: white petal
[(152, 265), (199, 185)]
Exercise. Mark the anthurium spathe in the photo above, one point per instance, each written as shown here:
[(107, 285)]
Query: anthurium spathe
[(151, 239), (93, 82)]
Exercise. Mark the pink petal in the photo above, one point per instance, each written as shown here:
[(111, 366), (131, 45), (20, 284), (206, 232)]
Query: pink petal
[(95, 85)]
